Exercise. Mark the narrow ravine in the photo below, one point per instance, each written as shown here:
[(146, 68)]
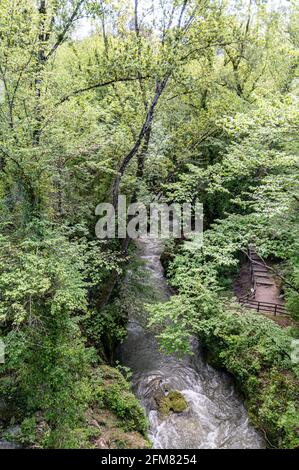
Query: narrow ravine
[(215, 417)]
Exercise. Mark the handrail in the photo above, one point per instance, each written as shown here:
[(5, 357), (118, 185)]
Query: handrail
[(266, 306), (267, 303)]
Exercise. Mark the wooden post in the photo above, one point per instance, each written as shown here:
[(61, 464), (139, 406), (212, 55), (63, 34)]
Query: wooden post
[(258, 306), (275, 310)]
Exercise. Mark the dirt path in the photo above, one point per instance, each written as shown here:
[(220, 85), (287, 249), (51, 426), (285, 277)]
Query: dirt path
[(266, 286), (268, 292)]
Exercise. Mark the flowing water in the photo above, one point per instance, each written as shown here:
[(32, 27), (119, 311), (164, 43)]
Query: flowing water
[(215, 417)]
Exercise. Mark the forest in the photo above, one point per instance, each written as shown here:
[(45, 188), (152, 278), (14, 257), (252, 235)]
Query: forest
[(117, 343)]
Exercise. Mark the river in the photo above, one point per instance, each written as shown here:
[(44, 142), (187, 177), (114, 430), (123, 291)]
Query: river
[(216, 417)]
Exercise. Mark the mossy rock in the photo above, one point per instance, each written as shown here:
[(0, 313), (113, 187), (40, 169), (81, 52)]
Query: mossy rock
[(173, 402)]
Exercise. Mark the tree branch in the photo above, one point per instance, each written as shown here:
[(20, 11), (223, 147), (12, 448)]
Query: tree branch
[(146, 125), (62, 35), (99, 85)]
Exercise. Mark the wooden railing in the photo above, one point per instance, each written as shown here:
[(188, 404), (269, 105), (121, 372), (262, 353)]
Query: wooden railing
[(267, 307)]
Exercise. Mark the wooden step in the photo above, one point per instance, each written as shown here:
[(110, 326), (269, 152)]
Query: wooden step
[(265, 283)]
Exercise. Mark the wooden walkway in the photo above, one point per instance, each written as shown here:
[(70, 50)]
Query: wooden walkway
[(260, 277)]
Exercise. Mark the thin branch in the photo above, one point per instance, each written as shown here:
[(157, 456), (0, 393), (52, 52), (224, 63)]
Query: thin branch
[(99, 85), (137, 33), (63, 34), (182, 13)]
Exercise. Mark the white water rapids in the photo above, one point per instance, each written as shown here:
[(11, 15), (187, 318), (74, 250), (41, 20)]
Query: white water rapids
[(216, 417)]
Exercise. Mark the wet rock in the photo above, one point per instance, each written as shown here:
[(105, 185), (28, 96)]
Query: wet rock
[(158, 397), (9, 445), (173, 402), (13, 430), (155, 393)]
